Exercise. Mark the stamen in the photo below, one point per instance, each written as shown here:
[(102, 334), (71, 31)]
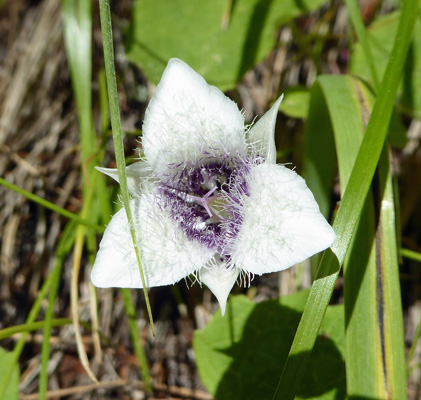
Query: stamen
[(203, 201)]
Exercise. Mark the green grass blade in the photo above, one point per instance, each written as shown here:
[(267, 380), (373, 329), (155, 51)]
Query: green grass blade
[(134, 333), (102, 190), (107, 39), (358, 24), (350, 208), (389, 298), (33, 326), (390, 348), (411, 254), (77, 18), (64, 246), (365, 307), (338, 104), (21, 342), (364, 369), (45, 349), (363, 352), (51, 206)]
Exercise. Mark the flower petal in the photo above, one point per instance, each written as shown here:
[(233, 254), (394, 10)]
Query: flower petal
[(262, 134), (167, 254), (186, 118), (136, 173), (220, 280), (282, 223)]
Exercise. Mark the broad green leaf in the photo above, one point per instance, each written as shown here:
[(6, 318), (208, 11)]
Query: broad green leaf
[(191, 30), (296, 102), (319, 165), (380, 35), (12, 386), (319, 161), (239, 355)]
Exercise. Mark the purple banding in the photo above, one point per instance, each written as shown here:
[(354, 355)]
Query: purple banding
[(206, 199)]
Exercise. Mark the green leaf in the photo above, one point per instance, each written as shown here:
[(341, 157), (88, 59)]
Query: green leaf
[(388, 294), (350, 209), (239, 355), (347, 103), (364, 367), (319, 165), (380, 35), (12, 387), (191, 30), (342, 108), (77, 29), (296, 102)]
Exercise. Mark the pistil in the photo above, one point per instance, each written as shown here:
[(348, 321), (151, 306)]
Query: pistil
[(205, 201)]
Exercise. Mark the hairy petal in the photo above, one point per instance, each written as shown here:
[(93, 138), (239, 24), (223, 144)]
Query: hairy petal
[(186, 118), (262, 134), (167, 255), (136, 173), (282, 223), (220, 280)]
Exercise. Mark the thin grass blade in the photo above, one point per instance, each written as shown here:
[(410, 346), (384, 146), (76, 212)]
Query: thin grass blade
[(51, 206), (134, 333), (107, 40)]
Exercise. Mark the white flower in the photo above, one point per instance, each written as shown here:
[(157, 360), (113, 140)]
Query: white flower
[(208, 199)]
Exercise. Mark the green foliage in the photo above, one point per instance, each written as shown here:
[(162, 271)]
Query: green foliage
[(370, 292), (296, 102), (12, 387), (313, 345), (239, 356), (350, 209), (348, 104), (379, 35), (191, 30)]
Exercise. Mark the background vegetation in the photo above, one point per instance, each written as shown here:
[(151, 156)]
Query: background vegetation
[(350, 124)]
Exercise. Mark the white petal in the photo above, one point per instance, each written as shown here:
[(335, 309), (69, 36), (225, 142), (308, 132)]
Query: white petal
[(167, 255), (282, 222), (262, 133), (220, 280), (136, 173), (187, 117)]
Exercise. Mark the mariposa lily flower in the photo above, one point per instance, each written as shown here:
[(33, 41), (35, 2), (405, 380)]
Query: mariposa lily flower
[(209, 200)]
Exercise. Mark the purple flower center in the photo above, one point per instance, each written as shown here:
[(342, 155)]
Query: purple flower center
[(206, 200)]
